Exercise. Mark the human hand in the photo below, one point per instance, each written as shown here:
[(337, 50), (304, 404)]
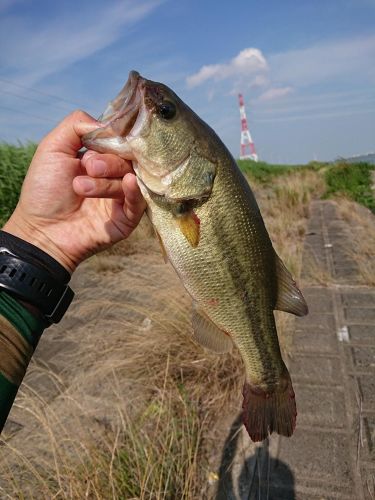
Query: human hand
[(70, 207)]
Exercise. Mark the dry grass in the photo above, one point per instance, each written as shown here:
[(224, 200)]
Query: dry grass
[(362, 226), (130, 407), (284, 206)]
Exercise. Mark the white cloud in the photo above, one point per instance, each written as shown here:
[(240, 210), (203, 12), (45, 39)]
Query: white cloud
[(275, 93), (35, 50), (343, 61), (248, 63)]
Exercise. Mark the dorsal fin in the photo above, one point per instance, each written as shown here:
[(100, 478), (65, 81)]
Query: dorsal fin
[(208, 334), (289, 296)]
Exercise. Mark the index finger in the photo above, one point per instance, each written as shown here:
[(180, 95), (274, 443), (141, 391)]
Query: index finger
[(105, 165), (66, 137)]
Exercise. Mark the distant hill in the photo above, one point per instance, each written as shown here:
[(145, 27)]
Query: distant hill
[(367, 158)]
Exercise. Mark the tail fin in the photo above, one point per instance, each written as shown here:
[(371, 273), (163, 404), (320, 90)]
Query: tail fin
[(268, 412)]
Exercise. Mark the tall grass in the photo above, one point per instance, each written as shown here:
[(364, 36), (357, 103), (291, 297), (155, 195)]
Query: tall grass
[(158, 456), (14, 161)]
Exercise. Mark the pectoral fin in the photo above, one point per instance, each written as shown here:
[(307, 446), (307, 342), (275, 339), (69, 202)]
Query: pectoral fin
[(289, 297), (208, 334), (189, 225)]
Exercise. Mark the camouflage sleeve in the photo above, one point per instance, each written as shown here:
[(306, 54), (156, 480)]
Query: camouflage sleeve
[(19, 335)]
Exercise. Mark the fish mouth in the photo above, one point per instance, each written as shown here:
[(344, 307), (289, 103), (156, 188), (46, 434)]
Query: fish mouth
[(125, 119), (120, 116)]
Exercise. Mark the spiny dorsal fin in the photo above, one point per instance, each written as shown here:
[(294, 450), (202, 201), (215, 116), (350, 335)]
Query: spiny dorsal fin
[(189, 225), (289, 297), (208, 334)]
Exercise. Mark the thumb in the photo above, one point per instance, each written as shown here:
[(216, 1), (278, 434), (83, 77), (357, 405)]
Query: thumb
[(66, 137)]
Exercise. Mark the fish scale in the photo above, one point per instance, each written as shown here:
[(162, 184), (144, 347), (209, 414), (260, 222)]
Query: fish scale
[(210, 226)]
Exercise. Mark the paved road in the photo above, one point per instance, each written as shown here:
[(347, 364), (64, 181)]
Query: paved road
[(332, 453)]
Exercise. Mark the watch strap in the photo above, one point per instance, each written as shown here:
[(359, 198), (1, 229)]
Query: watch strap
[(33, 254), (34, 285)]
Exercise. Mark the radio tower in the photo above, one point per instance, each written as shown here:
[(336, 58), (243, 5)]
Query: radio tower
[(246, 140)]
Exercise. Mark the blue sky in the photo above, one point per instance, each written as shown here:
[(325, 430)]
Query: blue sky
[(306, 68)]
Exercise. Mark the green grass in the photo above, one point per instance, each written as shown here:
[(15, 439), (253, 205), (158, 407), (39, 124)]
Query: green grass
[(352, 180), (14, 161), (262, 171)]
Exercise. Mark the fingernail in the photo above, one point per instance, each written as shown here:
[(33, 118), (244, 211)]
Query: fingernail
[(87, 184), (98, 167)]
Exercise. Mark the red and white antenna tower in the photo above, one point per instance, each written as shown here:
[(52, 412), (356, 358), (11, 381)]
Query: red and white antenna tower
[(246, 140)]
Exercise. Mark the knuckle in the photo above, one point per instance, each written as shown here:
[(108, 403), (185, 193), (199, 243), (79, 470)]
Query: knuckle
[(79, 114), (114, 162)]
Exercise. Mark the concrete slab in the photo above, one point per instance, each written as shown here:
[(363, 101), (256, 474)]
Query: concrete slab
[(362, 334), (315, 369), (320, 406), (357, 299), (364, 315)]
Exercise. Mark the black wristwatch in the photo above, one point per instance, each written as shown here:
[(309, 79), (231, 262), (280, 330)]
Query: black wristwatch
[(33, 283)]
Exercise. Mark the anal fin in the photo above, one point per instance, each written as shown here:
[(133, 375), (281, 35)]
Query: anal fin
[(208, 334), (289, 296)]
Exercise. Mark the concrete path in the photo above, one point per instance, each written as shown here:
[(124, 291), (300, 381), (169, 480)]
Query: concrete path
[(332, 453)]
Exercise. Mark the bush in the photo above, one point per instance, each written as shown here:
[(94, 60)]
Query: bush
[(352, 180)]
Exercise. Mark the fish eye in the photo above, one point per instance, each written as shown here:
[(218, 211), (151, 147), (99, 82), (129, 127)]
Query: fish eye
[(167, 110)]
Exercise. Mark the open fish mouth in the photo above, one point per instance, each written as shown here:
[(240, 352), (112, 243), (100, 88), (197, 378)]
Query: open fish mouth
[(120, 116)]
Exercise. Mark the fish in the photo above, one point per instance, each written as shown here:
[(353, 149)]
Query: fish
[(211, 230)]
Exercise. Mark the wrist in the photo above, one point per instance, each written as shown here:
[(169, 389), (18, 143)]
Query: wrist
[(34, 278), (21, 228)]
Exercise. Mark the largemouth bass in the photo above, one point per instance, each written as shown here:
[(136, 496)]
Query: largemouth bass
[(212, 232)]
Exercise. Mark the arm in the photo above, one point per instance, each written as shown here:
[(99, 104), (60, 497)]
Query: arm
[(69, 209), (19, 334)]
